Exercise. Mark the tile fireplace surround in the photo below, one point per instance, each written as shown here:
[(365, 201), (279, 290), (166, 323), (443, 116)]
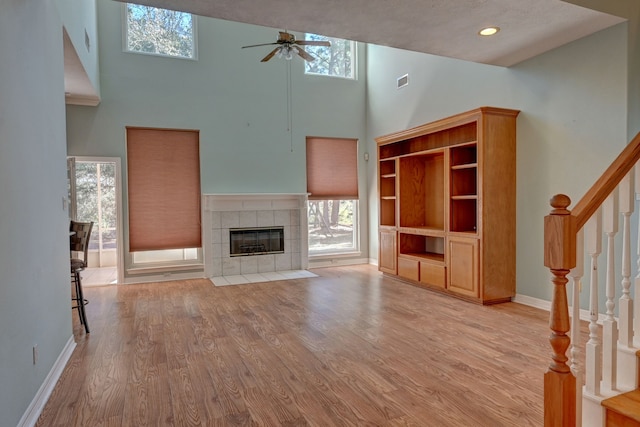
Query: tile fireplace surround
[(224, 211)]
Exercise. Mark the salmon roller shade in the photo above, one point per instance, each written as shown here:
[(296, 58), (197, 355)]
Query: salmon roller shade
[(332, 168), (163, 176)]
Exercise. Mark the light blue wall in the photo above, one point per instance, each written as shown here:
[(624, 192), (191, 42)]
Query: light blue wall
[(630, 10), (573, 122), (237, 103), (77, 17), (35, 305), (572, 100)]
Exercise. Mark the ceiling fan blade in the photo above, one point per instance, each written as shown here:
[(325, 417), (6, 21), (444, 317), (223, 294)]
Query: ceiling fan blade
[(305, 55), (270, 55), (314, 42), (256, 45)]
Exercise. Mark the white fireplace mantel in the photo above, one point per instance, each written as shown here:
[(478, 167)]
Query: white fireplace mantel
[(224, 211)]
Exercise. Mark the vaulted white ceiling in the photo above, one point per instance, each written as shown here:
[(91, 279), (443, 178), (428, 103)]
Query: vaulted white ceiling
[(440, 27)]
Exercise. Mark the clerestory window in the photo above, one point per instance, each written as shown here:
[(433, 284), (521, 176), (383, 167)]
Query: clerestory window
[(156, 31), (338, 60)]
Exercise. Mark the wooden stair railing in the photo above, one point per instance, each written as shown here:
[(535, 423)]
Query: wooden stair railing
[(560, 231)]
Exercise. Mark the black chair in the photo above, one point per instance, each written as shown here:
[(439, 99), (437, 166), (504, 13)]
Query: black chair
[(79, 235)]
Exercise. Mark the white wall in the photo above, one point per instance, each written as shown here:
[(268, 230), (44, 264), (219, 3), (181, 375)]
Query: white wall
[(34, 247), (573, 122)]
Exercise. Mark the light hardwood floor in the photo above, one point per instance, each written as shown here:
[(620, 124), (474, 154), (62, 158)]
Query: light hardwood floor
[(349, 347)]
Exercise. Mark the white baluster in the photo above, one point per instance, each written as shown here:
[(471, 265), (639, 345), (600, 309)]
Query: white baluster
[(636, 318), (625, 304), (610, 214), (593, 356), (576, 278)]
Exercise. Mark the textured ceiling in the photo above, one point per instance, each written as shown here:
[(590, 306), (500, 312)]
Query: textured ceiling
[(440, 27)]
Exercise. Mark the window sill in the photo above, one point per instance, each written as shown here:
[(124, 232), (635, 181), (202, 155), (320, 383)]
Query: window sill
[(330, 255), (164, 269)]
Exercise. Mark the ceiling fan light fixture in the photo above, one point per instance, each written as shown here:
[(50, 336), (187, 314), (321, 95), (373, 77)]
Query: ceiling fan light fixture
[(289, 55), (287, 47), (489, 31)]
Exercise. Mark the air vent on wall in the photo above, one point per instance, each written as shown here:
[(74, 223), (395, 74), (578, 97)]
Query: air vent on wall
[(403, 81)]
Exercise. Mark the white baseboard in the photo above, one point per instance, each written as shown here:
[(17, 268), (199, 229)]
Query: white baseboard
[(546, 305), (532, 302), (34, 410)]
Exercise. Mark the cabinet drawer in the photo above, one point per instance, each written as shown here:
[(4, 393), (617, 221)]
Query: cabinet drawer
[(432, 274), (408, 268)]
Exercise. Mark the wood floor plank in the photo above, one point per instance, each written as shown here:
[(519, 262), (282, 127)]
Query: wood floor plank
[(350, 347)]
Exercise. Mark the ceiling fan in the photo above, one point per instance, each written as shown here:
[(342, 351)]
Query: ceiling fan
[(289, 46)]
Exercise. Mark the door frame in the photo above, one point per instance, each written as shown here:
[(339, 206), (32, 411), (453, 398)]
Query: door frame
[(119, 220)]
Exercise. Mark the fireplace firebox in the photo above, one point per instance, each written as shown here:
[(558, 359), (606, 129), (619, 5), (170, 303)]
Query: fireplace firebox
[(256, 241)]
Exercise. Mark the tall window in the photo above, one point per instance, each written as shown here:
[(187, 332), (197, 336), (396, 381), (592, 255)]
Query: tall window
[(336, 61), (159, 31), (332, 181), (163, 185)]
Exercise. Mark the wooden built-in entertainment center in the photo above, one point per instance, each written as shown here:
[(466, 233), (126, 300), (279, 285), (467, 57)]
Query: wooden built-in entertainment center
[(447, 197)]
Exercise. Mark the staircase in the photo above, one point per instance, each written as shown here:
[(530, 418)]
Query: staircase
[(605, 391), (623, 410)]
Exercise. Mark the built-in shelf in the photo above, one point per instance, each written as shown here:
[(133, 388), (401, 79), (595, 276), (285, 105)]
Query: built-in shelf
[(422, 231), (447, 204), (432, 257), (466, 166)]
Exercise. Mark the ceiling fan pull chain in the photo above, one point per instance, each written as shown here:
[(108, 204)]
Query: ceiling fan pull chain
[(289, 107)]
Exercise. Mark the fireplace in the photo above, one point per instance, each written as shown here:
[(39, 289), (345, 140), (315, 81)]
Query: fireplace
[(256, 241), (226, 212)]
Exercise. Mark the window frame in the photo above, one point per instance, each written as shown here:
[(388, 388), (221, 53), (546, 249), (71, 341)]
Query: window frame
[(338, 182), (165, 265), (354, 59), (333, 253), (125, 35)]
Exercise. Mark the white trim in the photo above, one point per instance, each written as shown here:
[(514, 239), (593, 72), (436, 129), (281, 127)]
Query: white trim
[(36, 406), (125, 36), (373, 261), (85, 100), (546, 306), (215, 206), (532, 302), (354, 60), (119, 217), (166, 268), (164, 277), (336, 261)]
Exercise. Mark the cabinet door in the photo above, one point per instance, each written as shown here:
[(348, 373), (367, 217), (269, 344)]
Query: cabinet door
[(387, 253), (463, 266)]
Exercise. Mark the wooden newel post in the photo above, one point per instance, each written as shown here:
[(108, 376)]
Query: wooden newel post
[(559, 257)]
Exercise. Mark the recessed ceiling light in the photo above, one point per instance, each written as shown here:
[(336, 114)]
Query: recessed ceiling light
[(488, 31)]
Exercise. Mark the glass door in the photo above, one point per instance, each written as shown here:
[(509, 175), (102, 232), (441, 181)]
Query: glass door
[(94, 196)]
